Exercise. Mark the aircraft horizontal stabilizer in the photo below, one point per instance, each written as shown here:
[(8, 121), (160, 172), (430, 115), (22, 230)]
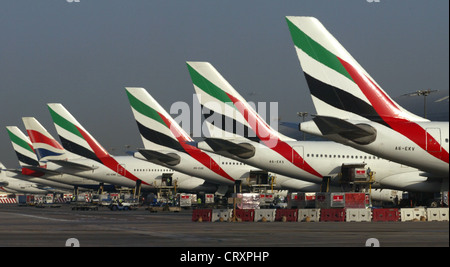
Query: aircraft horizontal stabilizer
[(292, 125), (170, 159), (359, 133), (73, 165), (242, 150), (33, 170)]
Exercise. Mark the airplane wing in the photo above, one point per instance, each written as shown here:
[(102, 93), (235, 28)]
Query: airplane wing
[(74, 165), (242, 150), (170, 159), (35, 171), (292, 125)]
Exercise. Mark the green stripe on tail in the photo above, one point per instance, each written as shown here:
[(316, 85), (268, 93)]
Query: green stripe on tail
[(315, 50), (208, 87), (142, 108), (65, 124)]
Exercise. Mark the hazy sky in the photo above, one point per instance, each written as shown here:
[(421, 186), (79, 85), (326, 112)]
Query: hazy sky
[(83, 55)]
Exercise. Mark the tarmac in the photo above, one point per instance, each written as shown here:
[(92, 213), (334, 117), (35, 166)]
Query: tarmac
[(54, 227)]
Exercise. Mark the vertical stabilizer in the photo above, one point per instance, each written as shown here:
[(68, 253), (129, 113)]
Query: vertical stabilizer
[(339, 86)]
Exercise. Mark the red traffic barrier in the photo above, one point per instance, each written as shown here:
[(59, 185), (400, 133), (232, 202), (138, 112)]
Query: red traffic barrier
[(246, 215), (332, 215), (202, 215), (385, 215), (291, 215), (355, 200)]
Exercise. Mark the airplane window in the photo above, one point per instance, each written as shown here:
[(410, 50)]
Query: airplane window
[(446, 140)]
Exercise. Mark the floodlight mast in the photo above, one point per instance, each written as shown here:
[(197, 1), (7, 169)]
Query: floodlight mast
[(423, 93)]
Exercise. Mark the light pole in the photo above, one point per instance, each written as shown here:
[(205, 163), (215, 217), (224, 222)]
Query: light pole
[(423, 93), (303, 115)]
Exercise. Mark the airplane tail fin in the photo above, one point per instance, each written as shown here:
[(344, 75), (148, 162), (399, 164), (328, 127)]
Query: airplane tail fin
[(45, 146), (157, 128), (74, 137), (233, 115), (160, 131), (22, 146), (339, 86)]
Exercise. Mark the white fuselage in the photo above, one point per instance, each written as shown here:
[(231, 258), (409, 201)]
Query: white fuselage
[(327, 158), (60, 180), (12, 185), (129, 170), (427, 156), (225, 171)]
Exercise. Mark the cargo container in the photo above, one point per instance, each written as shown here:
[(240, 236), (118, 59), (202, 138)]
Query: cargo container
[(342, 200), (301, 200)]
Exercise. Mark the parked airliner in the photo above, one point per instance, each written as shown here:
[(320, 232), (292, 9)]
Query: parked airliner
[(96, 163), (304, 160), (352, 109), (166, 143), (32, 171), (15, 185)]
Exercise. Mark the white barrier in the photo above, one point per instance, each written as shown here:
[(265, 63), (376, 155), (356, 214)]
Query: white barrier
[(221, 215), (267, 215), (413, 214), (437, 214), (358, 215), (8, 201), (351, 215), (311, 215)]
